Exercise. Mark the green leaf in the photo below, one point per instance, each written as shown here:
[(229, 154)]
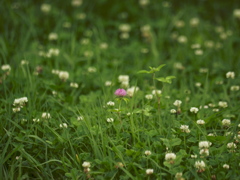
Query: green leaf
[(160, 67), (144, 71), (168, 79)]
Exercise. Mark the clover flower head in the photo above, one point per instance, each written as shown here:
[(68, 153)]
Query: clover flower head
[(46, 115), (63, 75), (132, 90), (222, 104), (177, 103), (234, 88), (149, 96), (173, 111), (6, 67), (147, 152), (74, 85), (230, 74), (170, 156), (226, 166), (236, 13), (226, 122), (63, 125), (46, 8), (200, 165), (200, 122), (194, 110), (86, 164), (149, 171), (185, 128), (108, 83), (110, 119), (110, 103), (204, 144), (120, 92)]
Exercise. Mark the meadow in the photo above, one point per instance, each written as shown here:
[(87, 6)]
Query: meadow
[(119, 90)]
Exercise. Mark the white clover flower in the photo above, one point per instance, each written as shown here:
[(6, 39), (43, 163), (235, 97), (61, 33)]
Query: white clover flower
[(131, 91), (124, 35), (194, 21), (231, 145), (173, 111), (76, 3), (193, 156), (204, 144), (144, 2), (123, 78), (24, 62), (63, 75), (200, 165), (108, 83), (20, 101), (110, 119), (236, 13), (211, 134), (179, 23), (185, 128), (178, 65), (80, 118), (149, 96), (198, 52), (63, 125), (203, 70), (46, 8), (6, 67), (17, 109), (226, 166), (36, 120), (200, 122), (170, 156), (52, 52), (74, 85), (149, 171), (182, 39), (234, 88), (226, 122), (103, 45), (110, 103), (230, 74), (88, 53), (195, 46), (198, 84), (92, 69), (46, 115), (177, 103), (222, 104), (156, 92), (215, 110), (81, 16), (194, 110), (147, 152), (178, 175), (125, 28), (53, 36), (86, 164)]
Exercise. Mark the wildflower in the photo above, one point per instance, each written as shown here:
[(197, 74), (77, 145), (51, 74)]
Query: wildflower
[(20, 102), (223, 104), (123, 78), (156, 92), (231, 145), (200, 122), (46, 115), (194, 22), (215, 110), (131, 91), (204, 144), (110, 103), (63, 75), (63, 125), (170, 157), (74, 85), (226, 122), (149, 171), (76, 3), (119, 164), (36, 120), (24, 62), (81, 16), (230, 74), (178, 65), (226, 166), (149, 96), (204, 152), (182, 39), (198, 52), (144, 2), (6, 67), (234, 88), (103, 45), (198, 84), (200, 165), (124, 27), (179, 23), (185, 128), (45, 8), (110, 119), (53, 36), (173, 111), (147, 152), (193, 156), (17, 109), (194, 110), (177, 103), (86, 164), (80, 118), (203, 70), (195, 46), (236, 13), (108, 83), (120, 92), (92, 69), (178, 176), (52, 52), (88, 54)]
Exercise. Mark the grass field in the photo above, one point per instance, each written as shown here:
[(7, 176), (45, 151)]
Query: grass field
[(118, 90)]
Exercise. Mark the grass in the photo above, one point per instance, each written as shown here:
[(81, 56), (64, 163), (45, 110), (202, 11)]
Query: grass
[(69, 61)]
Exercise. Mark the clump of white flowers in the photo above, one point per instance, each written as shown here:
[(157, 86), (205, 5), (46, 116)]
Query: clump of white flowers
[(19, 103), (52, 36), (234, 88), (86, 165), (46, 8), (200, 165), (200, 122), (125, 29), (236, 13), (226, 166), (222, 104), (110, 120), (92, 69), (76, 3), (147, 152), (173, 111), (204, 147), (6, 67), (124, 80), (231, 146), (149, 171), (149, 96), (185, 128), (194, 110), (178, 176), (144, 2), (110, 103), (170, 157), (108, 83), (46, 115), (230, 74), (63, 125), (63, 75), (132, 90), (74, 85), (178, 103), (226, 122), (156, 92)]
